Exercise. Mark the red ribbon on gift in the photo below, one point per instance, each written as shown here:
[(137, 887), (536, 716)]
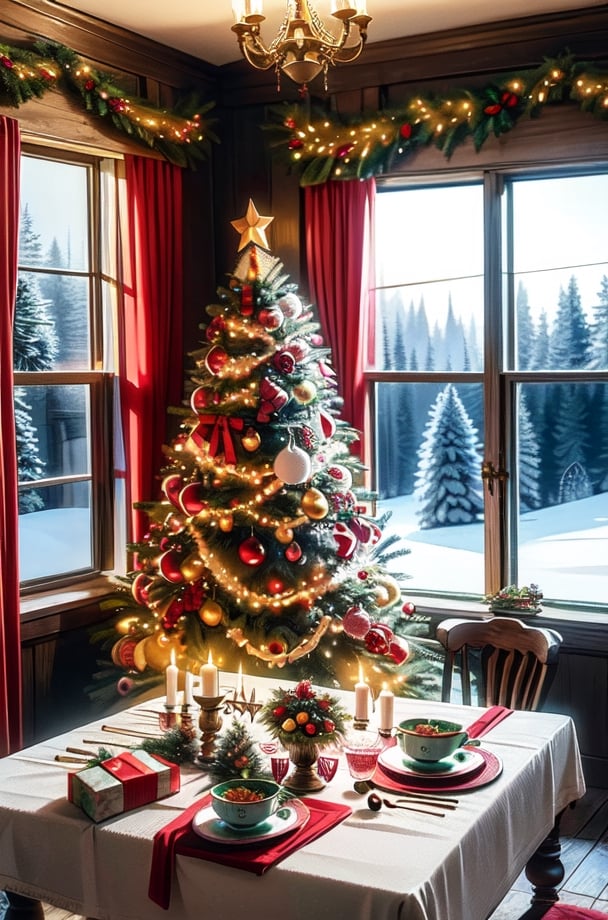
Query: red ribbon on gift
[(140, 782), (216, 428)]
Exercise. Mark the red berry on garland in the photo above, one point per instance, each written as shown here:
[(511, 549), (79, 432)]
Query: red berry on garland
[(89, 85), (363, 575), (295, 144), (405, 131), (492, 109), (290, 122), (6, 62)]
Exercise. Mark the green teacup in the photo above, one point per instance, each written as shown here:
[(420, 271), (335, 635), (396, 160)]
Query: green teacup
[(431, 739)]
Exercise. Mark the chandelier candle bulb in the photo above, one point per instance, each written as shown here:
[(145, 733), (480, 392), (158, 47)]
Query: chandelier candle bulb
[(210, 686), (386, 702), (171, 675)]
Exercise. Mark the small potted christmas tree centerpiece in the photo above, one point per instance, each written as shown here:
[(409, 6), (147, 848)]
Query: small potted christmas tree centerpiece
[(303, 720), (511, 599)]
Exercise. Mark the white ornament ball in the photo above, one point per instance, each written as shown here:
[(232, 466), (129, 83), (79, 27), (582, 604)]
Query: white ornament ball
[(292, 465), (341, 476), (291, 305)]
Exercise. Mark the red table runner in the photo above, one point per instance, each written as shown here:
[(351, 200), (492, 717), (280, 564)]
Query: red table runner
[(179, 838)]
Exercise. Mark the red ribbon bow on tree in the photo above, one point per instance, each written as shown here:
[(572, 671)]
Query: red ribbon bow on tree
[(213, 428)]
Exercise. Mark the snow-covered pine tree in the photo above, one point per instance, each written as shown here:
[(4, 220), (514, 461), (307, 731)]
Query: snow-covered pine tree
[(448, 481)]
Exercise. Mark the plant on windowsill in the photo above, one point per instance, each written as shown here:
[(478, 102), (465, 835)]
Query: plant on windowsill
[(512, 599)]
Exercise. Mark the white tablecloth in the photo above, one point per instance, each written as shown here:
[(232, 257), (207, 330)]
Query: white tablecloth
[(387, 865)]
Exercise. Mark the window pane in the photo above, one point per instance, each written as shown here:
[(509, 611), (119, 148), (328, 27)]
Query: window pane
[(560, 272), (57, 538), (58, 417), (429, 265), (52, 323), (563, 489), (429, 478), (54, 215)]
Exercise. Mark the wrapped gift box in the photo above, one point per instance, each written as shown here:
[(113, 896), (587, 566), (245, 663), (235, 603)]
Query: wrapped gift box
[(122, 783)]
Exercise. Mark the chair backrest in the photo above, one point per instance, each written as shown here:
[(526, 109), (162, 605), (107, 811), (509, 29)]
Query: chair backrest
[(516, 663)]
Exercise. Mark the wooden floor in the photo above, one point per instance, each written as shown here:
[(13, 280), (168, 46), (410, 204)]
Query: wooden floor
[(584, 855)]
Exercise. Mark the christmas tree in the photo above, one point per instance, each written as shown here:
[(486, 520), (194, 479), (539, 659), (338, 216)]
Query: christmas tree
[(262, 551)]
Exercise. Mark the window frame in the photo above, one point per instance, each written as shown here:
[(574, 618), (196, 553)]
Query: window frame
[(499, 377), (98, 380)]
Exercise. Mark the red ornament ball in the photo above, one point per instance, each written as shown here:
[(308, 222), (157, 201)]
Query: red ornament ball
[(409, 608), (356, 622), (398, 650), (293, 553), (275, 585), (251, 551), (376, 642)]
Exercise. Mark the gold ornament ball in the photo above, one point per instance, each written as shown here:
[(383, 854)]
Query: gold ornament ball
[(251, 440), (391, 589), (127, 626), (193, 567), (155, 652), (226, 523), (283, 533), (315, 505), (304, 392), (211, 613)]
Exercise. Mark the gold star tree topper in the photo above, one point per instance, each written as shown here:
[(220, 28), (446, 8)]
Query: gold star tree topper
[(252, 227)]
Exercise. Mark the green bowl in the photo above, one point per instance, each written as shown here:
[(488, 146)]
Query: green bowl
[(245, 814), (442, 743)]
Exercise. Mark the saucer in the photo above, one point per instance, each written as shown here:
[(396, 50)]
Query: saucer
[(289, 817), (462, 762)]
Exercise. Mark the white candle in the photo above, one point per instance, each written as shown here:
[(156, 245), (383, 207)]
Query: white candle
[(171, 681), (240, 689), (188, 688), (209, 679), (386, 701), (361, 699)]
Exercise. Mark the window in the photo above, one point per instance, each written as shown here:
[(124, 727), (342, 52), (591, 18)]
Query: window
[(491, 350), (62, 379)]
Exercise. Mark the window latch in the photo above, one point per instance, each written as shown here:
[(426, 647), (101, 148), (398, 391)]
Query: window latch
[(490, 473)]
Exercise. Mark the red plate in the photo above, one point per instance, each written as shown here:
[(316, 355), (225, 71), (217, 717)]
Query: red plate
[(392, 781)]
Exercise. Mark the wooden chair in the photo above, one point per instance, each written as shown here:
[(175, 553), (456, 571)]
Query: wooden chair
[(514, 663)]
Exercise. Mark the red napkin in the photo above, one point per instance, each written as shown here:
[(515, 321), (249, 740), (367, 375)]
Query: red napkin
[(179, 838), (488, 720)]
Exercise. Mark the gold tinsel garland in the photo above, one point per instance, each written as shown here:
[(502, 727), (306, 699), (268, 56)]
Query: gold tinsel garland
[(325, 146), (181, 136)]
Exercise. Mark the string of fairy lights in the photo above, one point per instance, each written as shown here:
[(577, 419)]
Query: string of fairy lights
[(333, 147), (30, 73)]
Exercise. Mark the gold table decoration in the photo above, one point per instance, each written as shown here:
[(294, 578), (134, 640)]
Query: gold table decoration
[(209, 721)]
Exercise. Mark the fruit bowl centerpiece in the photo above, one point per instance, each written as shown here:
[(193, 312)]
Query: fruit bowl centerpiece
[(303, 719)]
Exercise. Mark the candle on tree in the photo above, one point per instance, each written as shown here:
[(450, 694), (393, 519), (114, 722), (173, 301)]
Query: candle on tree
[(361, 699), (209, 679), (386, 701), (171, 675)]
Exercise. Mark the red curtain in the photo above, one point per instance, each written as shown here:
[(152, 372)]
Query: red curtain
[(339, 226), (10, 647), (151, 348)]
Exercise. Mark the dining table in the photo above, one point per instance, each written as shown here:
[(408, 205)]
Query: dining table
[(451, 862)]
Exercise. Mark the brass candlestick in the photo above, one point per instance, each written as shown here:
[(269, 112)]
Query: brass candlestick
[(360, 725), (210, 722)]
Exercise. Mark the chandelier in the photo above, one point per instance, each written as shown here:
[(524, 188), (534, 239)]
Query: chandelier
[(303, 47)]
